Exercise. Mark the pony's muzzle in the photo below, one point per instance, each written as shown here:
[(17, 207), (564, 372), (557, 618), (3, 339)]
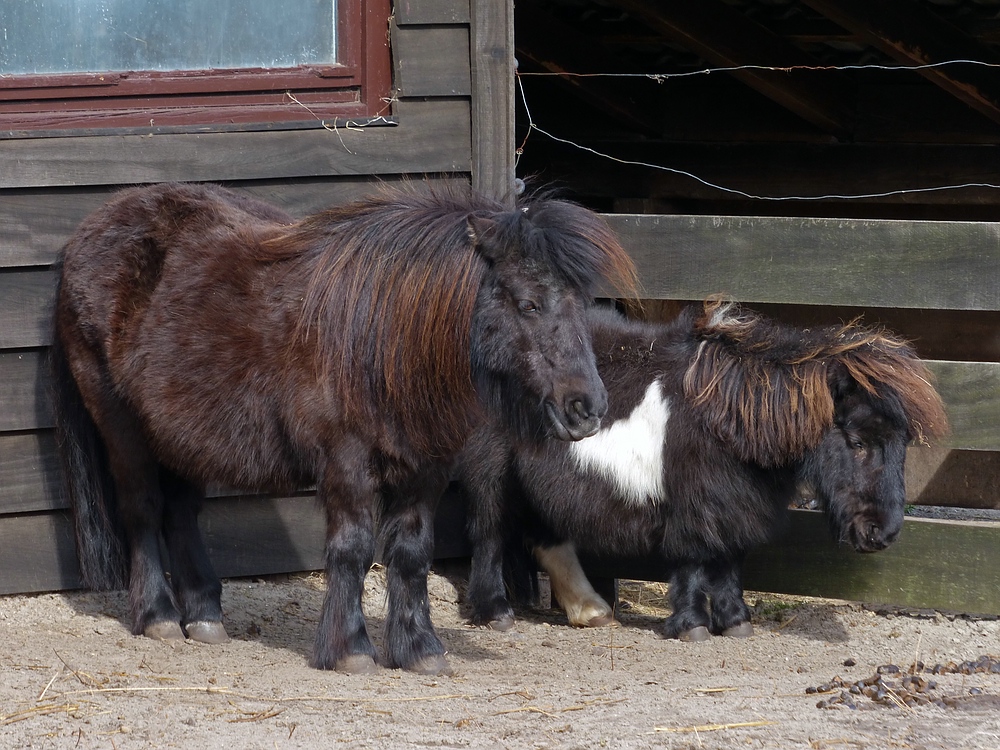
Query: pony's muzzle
[(580, 415), (871, 536)]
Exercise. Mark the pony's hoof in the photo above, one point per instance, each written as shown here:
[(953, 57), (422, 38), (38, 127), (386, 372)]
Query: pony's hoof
[(502, 624), (167, 631), (435, 665), (743, 630), (207, 632), (694, 635), (601, 621), (356, 664)]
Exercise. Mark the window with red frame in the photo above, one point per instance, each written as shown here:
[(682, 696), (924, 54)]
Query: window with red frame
[(77, 65)]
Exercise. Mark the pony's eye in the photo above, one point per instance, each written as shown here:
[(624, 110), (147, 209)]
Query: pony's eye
[(526, 306)]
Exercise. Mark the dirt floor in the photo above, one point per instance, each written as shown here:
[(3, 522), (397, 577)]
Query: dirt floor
[(71, 676)]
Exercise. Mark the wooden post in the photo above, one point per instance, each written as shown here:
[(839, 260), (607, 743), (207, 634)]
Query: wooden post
[(492, 48)]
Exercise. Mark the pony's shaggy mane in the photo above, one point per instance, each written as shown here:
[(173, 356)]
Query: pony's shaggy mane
[(393, 283), (764, 388)]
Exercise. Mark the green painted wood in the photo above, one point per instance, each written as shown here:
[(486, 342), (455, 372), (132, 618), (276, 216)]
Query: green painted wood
[(934, 564), (876, 263), (432, 136), (971, 392), (412, 12), (937, 564), (432, 61)]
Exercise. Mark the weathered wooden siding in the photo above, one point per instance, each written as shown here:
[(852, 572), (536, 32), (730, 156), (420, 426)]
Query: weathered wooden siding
[(48, 184)]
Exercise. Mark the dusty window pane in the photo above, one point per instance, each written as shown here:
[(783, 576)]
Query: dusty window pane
[(67, 36)]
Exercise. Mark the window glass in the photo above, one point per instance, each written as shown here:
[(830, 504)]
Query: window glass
[(71, 36)]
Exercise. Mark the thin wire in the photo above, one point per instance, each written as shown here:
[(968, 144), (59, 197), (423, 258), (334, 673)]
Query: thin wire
[(659, 77), (533, 126)]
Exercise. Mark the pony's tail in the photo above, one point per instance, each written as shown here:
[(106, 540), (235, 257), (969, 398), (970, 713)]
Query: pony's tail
[(100, 537)]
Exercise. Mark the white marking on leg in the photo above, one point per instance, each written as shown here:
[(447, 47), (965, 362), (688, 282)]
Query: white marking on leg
[(584, 607), (629, 453)]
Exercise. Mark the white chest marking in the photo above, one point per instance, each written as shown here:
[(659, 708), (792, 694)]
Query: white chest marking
[(629, 453)]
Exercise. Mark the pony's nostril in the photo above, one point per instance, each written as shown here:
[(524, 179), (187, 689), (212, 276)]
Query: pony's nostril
[(579, 409)]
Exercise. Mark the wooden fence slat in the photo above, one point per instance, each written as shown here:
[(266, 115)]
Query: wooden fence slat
[(24, 399), (432, 136), (432, 61), (34, 224), (30, 477), (971, 392), (25, 299), (37, 553), (865, 263), (933, 564), (417, 12), (244, 535)]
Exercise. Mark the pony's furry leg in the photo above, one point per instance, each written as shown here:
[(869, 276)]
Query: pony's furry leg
[(198, 589), (689, 620), (342, 641), (487, 597), (152, 609), (730, 614), (408, 528), (570, 586), (496, 553)]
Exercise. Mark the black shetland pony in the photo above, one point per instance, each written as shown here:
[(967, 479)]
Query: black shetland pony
[(203, 336), (713, 420)]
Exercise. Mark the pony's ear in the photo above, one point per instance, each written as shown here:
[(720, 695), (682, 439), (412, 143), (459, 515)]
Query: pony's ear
[(842, 386), (481, 234)]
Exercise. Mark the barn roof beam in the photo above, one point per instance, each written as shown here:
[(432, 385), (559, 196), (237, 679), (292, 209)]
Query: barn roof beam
[(909, 33), (556, 48), (726, 37)]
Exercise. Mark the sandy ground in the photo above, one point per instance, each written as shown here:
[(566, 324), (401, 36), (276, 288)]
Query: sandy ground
[(73, 677)]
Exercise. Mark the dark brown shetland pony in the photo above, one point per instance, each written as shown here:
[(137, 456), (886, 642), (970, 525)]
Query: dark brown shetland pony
[(714, 419), (202, 336)]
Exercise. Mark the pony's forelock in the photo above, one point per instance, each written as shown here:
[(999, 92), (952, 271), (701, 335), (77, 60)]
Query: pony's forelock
[(766, 392), (579, 245)]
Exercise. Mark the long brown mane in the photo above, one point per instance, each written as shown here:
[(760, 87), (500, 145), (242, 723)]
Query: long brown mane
[(393, 284), (764, 387)]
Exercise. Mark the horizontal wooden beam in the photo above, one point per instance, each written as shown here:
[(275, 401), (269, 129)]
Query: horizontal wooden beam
[(934, 564), (425, 12), (34, 224), (432, 136), (875, 263)]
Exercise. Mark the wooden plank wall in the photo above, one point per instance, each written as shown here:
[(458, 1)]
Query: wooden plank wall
[(47, 185)]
